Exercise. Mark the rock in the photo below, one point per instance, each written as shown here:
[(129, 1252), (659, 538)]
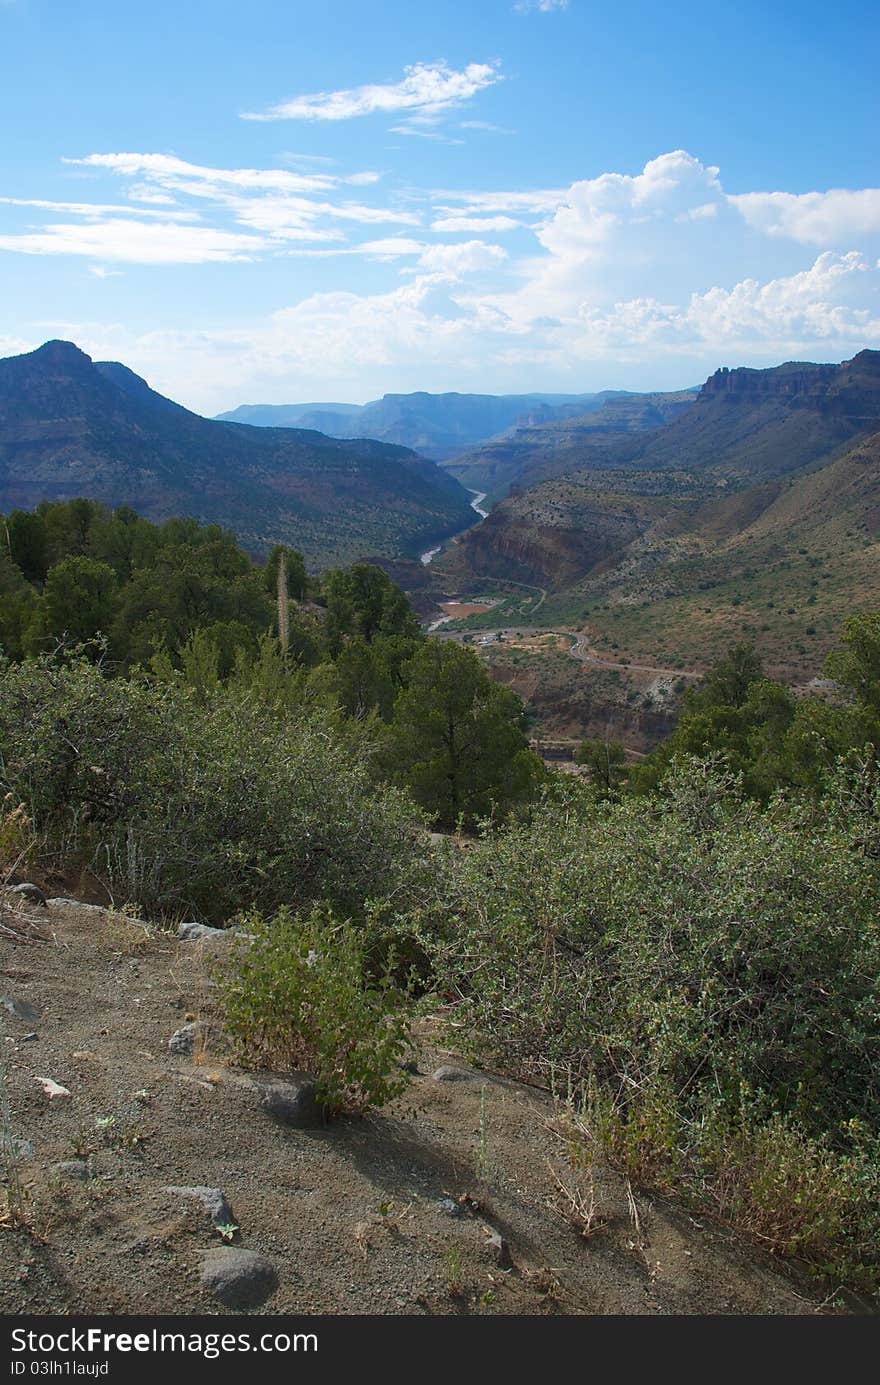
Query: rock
[(238, 1278), (32, 893), (62, 902), (30, 1038), (80, 1169), (449, 1074), (196, 932), (450, 1207), (18, 1147), (500, 1251), (53, 1089), (212, 1199), (183, 1040), (294, 1102), (21, 1009)]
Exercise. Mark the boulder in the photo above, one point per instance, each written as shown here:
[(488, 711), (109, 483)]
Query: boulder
[(294, 1102), (238, 1278), (183, 1040), (198, 932), (212, 1200)]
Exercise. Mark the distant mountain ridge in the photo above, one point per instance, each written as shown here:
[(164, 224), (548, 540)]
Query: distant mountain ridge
[(70, 426), (755, 512), (437, 425)]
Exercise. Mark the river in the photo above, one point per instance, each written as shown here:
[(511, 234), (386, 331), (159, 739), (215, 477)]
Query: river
[(476, 504)]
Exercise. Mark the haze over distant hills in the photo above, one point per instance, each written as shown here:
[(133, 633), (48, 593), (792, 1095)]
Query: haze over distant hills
[(437, 425), (73, 427)]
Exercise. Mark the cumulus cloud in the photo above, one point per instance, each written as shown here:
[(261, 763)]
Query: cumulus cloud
[(815, 218), (642, 279), (470, 257), (428, 88)]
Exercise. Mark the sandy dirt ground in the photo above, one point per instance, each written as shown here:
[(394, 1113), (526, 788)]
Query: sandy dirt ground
[(447, 1202)]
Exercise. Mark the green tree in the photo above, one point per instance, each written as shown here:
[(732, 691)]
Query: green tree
[(606, 762), (856, 666), (457, 738), (80, 599), (27, 544), (363, 602)]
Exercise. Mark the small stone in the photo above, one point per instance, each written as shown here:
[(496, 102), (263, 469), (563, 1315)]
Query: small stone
[(294, 1102), (30, 1038), (450, 1207), (32, 893), (18, 1147), (450, 1074), (183, 1040), (238, 1278), (80, 1169), (212, 1200), (53, 1089), (195, 932), (500, 1251), (20, 1009)]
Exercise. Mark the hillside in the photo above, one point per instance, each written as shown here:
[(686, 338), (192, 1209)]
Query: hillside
[(542, 448), (437, 425), (72, 427), (393, 1214)]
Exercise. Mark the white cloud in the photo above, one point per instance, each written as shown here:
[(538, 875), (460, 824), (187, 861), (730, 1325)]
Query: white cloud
[(136, 242), (169, 171), (425, 87), (469, 257), (541, 6), (391, 247), (450, 222), (814, 218), (631, 279), (96, 210)]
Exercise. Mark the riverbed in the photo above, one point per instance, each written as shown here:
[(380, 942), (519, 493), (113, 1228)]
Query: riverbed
[(476, 506)]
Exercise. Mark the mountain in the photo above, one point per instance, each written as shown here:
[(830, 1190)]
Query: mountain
[(544, 447), (754, 514), (437, 425), (70, 426), (743, 423)]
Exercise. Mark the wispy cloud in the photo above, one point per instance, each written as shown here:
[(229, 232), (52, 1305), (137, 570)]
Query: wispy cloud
[(427, 87), (540, 6), (650, 271), (136, 242)]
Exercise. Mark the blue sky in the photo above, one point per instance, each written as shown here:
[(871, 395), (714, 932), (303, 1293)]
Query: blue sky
[(277, 202)]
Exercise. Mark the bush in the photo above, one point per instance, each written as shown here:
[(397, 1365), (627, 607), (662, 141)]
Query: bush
[(297, 997), (202, 804), (698, 965)]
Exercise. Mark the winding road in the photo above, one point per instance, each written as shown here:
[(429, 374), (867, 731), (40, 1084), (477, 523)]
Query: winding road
[(580, 648)]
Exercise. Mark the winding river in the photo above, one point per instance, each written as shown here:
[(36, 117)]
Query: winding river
[(476, 504)]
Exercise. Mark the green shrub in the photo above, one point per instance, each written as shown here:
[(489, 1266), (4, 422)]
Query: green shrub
[(699, 965), (296, 996), (203, 804)]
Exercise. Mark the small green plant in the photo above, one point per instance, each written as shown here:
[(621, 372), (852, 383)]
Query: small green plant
[(452, 1264), (226, 1229), (297, 995)]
